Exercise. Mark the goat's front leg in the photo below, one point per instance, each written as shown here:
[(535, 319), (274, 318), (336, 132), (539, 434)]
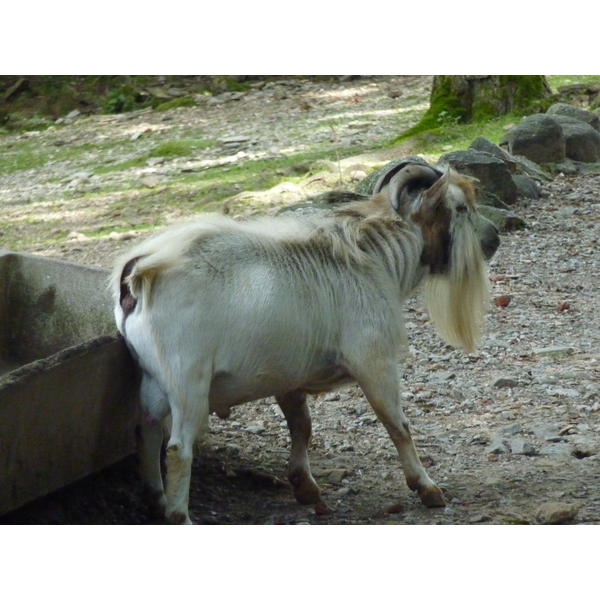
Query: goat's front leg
[(381, 388), (297, 414)]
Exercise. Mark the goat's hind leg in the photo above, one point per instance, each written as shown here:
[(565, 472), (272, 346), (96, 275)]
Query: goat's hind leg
[(297, 414), (154, 410), (382, 390), (189, 406)]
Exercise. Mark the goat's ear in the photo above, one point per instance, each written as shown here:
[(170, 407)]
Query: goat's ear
[(436, 193)]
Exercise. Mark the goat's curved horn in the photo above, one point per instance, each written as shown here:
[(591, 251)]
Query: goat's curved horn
[(413, 176)]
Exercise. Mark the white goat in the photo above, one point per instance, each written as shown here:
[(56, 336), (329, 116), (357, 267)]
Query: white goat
[(221, 312)]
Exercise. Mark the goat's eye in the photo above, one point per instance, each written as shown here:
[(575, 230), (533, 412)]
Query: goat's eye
[(461, 208)]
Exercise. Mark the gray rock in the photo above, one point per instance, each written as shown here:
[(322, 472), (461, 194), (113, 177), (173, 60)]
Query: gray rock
[(555, 450), (512, 429), (336, 476), (482, 144), (531, 169), (553, 513), (526, 187), (485, 198), (569, 110), (518, 446), (553, 351), (497, 447), (505, 382), (537, 137), (582, 141), (256, 429), (234, 140), (491, 172), (548, 432)]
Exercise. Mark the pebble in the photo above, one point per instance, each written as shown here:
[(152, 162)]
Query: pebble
[(256, 429), (505, 382), (150, 181), (553, 513), (555, 450), (234, 140), (513, 429), (554, 351), (518, 446), (548, 431), (497, 447), (479, 518), (336, 476)]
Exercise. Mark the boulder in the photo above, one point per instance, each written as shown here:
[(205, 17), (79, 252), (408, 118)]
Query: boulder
[(526, 187), (491, 172), (484, 145), (568, 110), (531, 169), (537, 137), (582, 141)]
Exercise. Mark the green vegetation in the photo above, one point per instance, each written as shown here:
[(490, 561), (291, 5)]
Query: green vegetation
[(176, 103), (447, 121), (173, 149), (557, 81), (168, 150)]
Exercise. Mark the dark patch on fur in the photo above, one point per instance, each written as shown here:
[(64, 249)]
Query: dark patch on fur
[(435, 227), (126, 300)]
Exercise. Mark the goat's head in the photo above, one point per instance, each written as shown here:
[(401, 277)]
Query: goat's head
[(457, 241)]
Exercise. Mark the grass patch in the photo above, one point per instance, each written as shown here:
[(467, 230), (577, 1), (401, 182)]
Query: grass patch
[(176, 103), (168, 150), (138, 161), (173, 149), (556, 81), (21, 157), (435, 142)]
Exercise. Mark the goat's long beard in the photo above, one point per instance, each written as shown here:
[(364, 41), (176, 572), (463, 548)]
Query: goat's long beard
[(458, 301)]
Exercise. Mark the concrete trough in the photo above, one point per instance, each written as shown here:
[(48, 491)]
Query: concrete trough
[(68, 386)]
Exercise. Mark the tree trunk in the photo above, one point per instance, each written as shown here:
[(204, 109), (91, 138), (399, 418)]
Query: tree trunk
[(474, 98)]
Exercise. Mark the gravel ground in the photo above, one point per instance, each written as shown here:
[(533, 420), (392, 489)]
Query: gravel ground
[(511, 432)]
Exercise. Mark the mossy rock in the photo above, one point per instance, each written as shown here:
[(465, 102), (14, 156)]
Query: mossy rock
[(175, 103)]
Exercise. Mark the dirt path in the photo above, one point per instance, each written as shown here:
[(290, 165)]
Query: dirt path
[(511, 432)]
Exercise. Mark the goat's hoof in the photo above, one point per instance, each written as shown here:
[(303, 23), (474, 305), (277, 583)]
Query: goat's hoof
[(306, 490), (432, 497), (178, 518)]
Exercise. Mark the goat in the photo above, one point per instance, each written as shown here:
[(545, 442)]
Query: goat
[(220, 312)]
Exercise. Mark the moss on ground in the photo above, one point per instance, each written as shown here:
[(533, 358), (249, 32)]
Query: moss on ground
[(176, 103), (455, 101)]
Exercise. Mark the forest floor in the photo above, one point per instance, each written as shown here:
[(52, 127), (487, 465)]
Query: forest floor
[(511, 432)]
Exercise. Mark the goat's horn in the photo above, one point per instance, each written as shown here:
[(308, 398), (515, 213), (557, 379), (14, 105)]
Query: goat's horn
[(413, 175)]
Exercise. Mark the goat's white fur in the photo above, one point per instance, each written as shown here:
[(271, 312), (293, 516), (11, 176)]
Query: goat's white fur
[(231, 311)]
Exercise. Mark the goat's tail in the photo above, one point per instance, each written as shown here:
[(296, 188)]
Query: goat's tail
[(458, 301), (136, 271)]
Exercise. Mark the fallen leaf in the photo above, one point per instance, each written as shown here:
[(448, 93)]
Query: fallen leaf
[(502, 301), (563, 306), (393, 509)]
